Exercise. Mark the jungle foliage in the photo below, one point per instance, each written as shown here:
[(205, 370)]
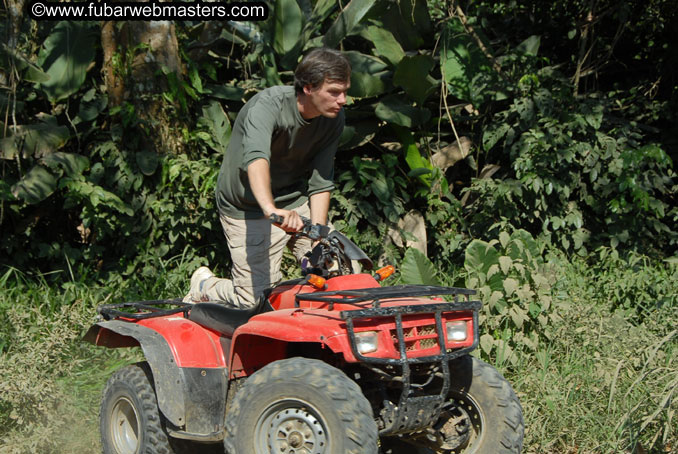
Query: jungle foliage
[(528, 137), (556, 119)]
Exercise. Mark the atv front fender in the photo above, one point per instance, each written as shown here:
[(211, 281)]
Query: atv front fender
[(189, 397)]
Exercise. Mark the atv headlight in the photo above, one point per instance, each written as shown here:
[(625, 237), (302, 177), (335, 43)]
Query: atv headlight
[(456, 331), (367, 342)]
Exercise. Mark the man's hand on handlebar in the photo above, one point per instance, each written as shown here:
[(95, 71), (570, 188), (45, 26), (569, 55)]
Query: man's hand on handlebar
[(288, 220)]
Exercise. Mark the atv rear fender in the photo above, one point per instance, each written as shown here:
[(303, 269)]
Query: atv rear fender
[(187, 362)]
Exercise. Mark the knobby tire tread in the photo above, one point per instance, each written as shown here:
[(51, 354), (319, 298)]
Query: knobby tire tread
[(511, 429), (349, 403), (158, 442)]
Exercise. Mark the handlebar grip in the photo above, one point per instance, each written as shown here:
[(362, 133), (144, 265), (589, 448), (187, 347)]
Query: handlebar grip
[(276, 219)]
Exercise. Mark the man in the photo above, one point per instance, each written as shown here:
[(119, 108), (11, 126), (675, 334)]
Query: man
[(280, 160)]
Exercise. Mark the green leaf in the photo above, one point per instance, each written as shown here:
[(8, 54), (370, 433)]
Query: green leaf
[(65, 56), (358, 134), (519, 316), (91, 106), (35, 186), (460, 60), (227, 92), (35, 140), (381, 190), (368, 75), (385, 44), (418, 172), (510, 286), (347, 22), (217, 122), (486, 343), (505, 264), (33, 73), (287, 25), (72, 164), (504, 238), (412, 74), (530, 46), (480, 256), (392, 109), (196, 81), (147, 161), (413, 157), (416, 268), (493, 134), (523, 246)]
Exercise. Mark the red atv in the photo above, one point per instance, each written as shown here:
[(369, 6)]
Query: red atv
[(331, 363)]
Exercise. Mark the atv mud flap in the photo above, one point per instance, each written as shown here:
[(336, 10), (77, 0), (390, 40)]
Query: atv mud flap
[(414, 412)]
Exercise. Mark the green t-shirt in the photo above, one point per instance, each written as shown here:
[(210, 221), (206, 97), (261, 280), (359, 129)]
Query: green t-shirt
[(300, 153)]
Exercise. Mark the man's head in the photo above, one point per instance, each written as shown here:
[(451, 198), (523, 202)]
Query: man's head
[(321, 81), (319, 65)]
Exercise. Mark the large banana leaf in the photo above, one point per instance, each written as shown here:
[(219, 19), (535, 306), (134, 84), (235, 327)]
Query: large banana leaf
[(347, 22), (392, 109), (65, 56), (385, 44), (461, 59), (412, 74), (31, 71), (369, 75), (35, 186), (288, 23), (416, 268)]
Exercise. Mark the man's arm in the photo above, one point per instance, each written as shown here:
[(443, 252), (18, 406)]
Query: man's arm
[(320, 205), (259, 175)]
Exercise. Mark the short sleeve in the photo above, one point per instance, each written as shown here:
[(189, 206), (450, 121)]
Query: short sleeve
[(258, 127)]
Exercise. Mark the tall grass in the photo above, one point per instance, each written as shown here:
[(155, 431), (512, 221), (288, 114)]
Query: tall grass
[(607, 381), (50, 381), (604, 383)]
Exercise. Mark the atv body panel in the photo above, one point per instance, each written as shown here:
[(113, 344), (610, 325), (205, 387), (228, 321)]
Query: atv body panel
[(188, 368)]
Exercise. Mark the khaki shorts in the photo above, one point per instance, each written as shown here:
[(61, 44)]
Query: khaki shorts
[(257, 248)]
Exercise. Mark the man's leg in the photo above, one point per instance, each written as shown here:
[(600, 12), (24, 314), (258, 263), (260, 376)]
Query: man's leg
[(256, 248)]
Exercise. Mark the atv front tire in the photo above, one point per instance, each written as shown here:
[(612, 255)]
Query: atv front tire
[(482, 416), (130, 421), (301, 406)]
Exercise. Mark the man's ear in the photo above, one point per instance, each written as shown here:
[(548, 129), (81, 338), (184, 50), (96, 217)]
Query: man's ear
[(308, 89)]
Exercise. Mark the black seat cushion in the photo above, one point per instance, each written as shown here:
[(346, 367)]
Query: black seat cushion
[(224, 319)]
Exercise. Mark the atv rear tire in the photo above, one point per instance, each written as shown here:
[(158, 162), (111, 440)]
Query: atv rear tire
[(301, 406), (130, 421), (482, 416)]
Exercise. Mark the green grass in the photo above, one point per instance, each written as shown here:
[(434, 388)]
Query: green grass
[(606, 382)]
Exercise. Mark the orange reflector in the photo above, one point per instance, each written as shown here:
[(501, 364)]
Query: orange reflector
[(316, 281), (383, 273)]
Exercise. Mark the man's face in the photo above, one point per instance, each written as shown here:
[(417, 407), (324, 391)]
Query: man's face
[(328, 99)]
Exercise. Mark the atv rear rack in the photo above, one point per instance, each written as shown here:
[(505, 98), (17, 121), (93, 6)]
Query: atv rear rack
[(377, 294), (144, 309)]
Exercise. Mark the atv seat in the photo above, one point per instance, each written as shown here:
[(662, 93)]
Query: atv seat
[(224, 319)]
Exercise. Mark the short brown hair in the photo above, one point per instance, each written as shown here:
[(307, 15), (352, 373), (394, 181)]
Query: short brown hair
[(319, 65)]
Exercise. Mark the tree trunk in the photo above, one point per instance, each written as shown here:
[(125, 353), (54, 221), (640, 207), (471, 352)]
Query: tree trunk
[(146, 49)]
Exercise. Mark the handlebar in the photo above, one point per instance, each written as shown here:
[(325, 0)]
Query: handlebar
[(313, 231)]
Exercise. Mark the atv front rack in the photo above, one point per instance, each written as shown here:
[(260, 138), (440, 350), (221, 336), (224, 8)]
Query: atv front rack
[(377, 294), (412, 412), (144, 309)]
